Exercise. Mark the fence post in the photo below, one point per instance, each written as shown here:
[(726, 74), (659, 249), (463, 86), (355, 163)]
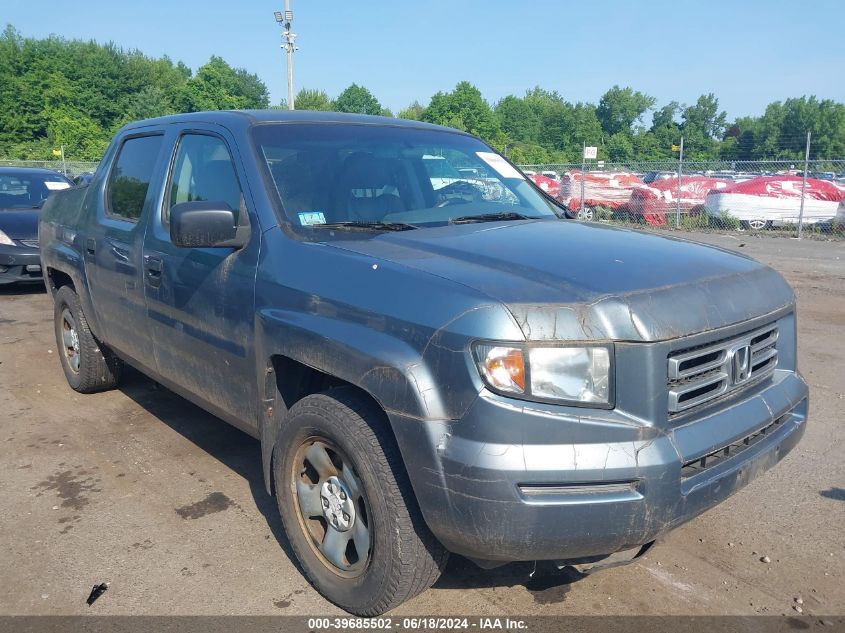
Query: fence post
[(678, 193), (583, 176), (804, 187)]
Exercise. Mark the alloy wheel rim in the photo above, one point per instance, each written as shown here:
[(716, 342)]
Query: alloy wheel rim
[(70, 340), (332, 508)]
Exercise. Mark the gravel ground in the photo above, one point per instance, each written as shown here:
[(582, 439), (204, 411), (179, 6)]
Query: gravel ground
[(140, 489)]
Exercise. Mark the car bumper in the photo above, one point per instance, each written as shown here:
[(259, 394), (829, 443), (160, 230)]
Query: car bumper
[(531, 500), (19, 264)]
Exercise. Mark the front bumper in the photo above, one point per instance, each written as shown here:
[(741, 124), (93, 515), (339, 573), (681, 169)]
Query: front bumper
[(19, 264), (500, 485)]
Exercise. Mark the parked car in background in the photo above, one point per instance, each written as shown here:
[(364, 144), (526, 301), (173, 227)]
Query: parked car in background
[(607, 189), (768, 201), (652, 203), (548, 185), (551, 174), (425, 373), (653, 176), (23, 191)]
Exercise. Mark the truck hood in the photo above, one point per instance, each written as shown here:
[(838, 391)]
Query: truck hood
[(19, 224), (566, 280)]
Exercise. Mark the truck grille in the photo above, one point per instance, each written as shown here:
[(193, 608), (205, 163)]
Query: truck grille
[(701, 374), (696, 466)]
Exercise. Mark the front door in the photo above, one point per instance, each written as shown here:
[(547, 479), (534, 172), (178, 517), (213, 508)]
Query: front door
[(200, 305)]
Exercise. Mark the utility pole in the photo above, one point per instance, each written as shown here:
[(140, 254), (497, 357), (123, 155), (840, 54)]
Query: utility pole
[(804, 187), (289, 45)]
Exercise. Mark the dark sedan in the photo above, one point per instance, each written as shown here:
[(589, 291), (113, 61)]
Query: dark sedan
[(22, 193)]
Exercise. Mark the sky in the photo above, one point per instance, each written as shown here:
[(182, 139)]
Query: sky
[(749, 53)]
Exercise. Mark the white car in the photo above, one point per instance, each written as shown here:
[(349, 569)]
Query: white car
[(769, 201)]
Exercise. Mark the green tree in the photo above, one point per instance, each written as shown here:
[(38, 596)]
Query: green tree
[(78, 93), (703, 124), (619, 147), (358, 100), (218, 86), (313, 100), (414, 112), (619, 108), (465, 109), (149, 102), (518, 120), (73, 129), (665, 129)]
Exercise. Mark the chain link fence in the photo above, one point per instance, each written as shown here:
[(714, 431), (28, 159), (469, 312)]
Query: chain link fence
[(70, 168), (756, 196)]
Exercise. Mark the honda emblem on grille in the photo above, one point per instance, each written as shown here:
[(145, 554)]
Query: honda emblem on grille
[(741, 364)]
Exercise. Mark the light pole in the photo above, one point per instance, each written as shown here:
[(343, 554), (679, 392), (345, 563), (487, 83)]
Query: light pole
[(288, 44)]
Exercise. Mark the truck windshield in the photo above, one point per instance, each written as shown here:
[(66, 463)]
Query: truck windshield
[(386, 176)]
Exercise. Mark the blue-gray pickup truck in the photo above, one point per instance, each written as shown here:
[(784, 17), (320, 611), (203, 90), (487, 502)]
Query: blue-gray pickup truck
[(431, 364)]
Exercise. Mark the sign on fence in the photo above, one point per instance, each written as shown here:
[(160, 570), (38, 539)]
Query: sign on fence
[(590, 153)]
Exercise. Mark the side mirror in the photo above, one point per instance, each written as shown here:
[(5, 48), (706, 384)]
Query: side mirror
[(203, 224)]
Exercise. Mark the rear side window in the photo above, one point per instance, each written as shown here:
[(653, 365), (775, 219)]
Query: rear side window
[(203, 171), (130, 178)]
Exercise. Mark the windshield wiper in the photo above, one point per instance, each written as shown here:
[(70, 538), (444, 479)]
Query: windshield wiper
[(362, 225), (491, 217)]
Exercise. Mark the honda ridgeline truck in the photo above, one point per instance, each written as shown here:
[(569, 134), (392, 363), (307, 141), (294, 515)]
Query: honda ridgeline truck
[(428, 370)]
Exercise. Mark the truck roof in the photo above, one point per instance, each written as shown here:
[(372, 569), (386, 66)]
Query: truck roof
[(249, 117)]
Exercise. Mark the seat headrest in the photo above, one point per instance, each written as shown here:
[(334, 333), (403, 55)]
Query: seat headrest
[(362, 170)]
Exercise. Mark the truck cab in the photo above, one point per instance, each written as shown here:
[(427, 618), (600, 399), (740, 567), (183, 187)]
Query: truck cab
[(428, 369)]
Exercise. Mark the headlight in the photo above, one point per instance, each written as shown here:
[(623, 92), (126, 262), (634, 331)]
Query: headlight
[(503, 368), (577, 375), (4, 239)]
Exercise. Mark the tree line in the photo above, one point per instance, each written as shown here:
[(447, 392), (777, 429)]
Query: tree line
[(67, 92)]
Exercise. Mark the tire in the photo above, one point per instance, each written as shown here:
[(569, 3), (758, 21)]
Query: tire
[(399, 557), (586, 215), (89, 366)]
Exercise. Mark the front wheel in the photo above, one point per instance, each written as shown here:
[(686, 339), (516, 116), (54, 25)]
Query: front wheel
[(347, 505)]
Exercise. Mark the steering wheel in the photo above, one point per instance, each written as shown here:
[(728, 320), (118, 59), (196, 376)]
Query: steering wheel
[(460, 192)]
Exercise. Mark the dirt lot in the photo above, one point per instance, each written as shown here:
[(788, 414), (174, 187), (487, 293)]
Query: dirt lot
[(140, 489)]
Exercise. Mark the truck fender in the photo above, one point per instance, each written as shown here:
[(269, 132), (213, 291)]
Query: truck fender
[(390, 370)]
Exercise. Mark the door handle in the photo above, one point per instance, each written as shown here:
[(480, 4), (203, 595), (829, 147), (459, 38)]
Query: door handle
[(153, 266), (90, 245)]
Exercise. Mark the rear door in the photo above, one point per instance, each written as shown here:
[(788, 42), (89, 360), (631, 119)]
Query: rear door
[(201, 304), (114, 245)]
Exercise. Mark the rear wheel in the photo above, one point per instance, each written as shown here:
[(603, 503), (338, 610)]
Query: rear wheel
[(347, 505), (88, 366)]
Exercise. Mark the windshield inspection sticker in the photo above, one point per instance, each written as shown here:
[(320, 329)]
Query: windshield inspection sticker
[(502, 167), (310, 218), (56, 185)]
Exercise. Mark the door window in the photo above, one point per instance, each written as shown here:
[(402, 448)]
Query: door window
[(203, 171), (130, 178)]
